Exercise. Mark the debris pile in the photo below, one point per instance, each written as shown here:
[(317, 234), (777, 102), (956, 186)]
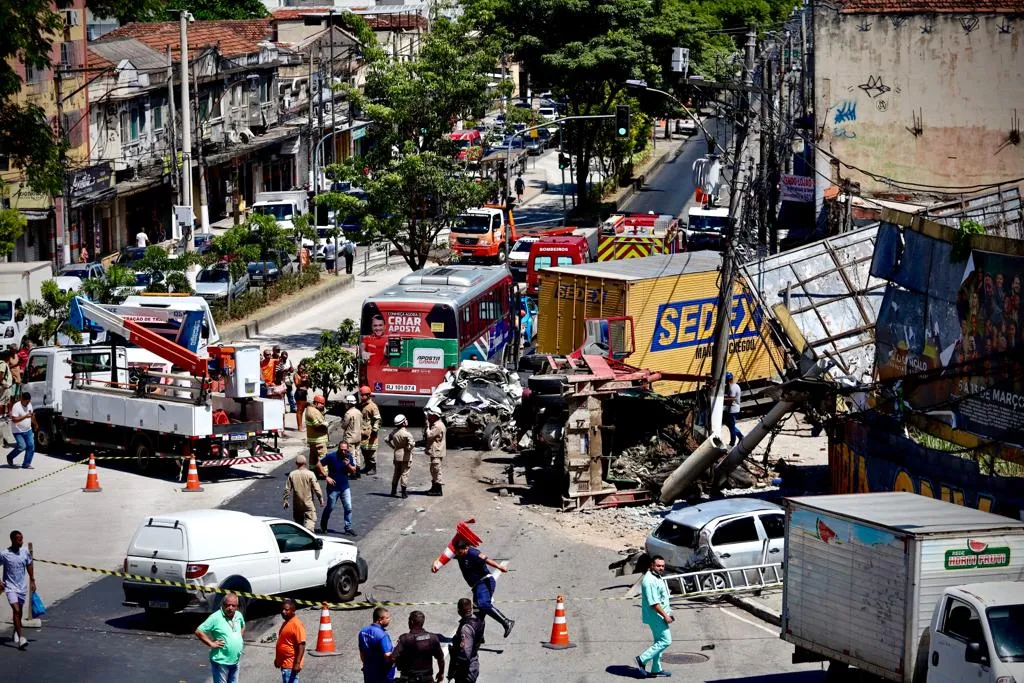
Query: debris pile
[(478, 400), (652, 435)]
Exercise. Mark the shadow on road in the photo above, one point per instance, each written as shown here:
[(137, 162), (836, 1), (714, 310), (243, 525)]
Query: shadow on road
[(624, 671), (788, 677)]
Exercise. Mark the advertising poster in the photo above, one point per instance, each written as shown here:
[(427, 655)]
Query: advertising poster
[(407, 348)]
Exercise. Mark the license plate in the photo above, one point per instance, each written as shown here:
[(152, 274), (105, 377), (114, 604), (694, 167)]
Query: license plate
[(400, 387), (159, 604), (237, 437)]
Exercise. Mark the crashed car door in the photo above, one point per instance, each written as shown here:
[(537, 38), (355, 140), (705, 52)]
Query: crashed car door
[(736, 543)]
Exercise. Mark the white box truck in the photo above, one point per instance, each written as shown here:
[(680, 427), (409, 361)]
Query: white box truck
[(905, 587), (284, 206), (19, 282)]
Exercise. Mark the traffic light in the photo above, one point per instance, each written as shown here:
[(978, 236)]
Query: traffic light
[(563, 161), (622, 120)]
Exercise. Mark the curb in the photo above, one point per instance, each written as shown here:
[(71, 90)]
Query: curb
[(249, 328), (755, 608)]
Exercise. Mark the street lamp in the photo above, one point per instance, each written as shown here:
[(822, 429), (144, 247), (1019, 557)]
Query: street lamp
[(638, 84)]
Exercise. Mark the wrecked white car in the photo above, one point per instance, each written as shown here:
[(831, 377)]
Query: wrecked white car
[(477, 402)]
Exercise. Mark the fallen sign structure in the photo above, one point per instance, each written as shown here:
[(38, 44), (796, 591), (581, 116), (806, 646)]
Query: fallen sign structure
[(477, 401)]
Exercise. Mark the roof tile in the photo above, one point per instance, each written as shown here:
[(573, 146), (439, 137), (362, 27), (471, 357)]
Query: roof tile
[(232, 37), (931, 6)]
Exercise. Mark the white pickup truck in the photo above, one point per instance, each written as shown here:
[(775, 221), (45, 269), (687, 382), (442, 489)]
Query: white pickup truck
[(233, 551), (904, 587)]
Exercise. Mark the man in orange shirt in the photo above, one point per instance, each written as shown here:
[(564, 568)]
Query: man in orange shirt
[(291, 644), (268, 367)]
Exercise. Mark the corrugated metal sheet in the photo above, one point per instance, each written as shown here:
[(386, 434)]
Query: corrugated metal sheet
[(910, 514), (827, 288), (567, 300)]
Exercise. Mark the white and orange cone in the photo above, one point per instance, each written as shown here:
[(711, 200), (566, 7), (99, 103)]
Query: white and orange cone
[(559, 628), (192, 482), (463, 531), (325, 637), (92, 479)]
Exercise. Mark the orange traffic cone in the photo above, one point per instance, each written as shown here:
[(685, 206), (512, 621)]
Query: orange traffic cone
[(463, 531), (92, 479), (325, 637), (559, 629), (192, 482)]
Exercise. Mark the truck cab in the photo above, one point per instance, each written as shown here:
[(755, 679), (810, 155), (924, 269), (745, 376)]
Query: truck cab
[(977, 634), (481, 235), (549, 252), (13, 323), (469, 144), (706, 228), (283, 206), (519, 257)]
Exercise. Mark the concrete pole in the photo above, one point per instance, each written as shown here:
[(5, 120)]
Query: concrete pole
[(175, 232), (692, 467), (186, 114)]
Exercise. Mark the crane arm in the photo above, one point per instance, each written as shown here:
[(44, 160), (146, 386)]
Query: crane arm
[(83, 310)]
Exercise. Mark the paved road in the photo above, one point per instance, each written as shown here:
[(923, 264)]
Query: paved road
[(671, 188)]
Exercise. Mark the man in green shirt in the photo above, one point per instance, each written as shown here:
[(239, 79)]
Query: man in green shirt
[(657, 613), (222, 632)]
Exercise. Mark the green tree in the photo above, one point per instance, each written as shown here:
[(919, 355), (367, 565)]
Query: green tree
[(584, 50), (415, 186), (113, 288), (333, 367), (52, 310), (159, 265), (12, 226)]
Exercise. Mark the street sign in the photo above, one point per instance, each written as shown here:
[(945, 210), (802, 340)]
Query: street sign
[(797, 188), (680, 59)]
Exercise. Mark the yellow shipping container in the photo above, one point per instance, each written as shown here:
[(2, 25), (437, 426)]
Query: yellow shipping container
[(672, 299)]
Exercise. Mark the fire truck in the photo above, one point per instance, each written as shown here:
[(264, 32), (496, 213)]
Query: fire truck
[(635, 235)]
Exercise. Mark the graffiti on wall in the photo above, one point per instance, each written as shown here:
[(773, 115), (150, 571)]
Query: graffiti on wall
[(874, 87), (846, 111)]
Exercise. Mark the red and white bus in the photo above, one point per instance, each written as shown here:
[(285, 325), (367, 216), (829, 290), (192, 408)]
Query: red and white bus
[(415, 331)]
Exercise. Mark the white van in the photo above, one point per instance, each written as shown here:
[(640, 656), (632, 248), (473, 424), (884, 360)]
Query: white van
[(234, 551)]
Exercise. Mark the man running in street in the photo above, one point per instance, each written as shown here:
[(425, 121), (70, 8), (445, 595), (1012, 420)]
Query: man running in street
[(474, 564), (18, 577), (416, 651)]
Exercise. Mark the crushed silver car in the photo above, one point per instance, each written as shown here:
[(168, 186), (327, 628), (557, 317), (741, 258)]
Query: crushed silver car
[(477, 401)]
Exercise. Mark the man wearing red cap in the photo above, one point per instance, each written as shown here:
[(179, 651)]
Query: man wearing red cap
[(370, 428), (316, 430)]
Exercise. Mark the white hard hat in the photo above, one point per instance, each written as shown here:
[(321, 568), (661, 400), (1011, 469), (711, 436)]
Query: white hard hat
[(350, 399), (400, 420), (434, 411)]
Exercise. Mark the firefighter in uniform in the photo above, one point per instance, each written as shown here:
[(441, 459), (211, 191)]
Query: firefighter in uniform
[(435, 435), (352, 428), (463, 663), (370, 427), (401, 441), (416, 652)]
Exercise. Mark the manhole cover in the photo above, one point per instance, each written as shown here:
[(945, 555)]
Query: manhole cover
[(683, 658)]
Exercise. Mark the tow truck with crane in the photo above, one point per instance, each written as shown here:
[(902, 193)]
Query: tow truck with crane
[(88, 398)]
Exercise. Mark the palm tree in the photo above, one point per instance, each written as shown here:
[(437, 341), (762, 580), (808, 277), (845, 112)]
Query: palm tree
[(113, 288), (52, 309)]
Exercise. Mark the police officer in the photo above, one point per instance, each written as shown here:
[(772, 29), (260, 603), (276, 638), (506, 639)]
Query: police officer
[(435, 436), (415, 651), (464, 665), (370, 427), (401, 441)]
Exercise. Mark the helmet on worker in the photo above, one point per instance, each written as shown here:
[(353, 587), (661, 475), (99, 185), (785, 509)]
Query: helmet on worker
[(400, 420), (319, 400), (365, 391), (432, 412), (728, 377), (350, 399)]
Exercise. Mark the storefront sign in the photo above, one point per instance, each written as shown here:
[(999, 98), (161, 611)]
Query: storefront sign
[(93, 179), (797, 188)]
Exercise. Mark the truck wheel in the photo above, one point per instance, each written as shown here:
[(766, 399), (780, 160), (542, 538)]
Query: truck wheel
[(491, 438), (343, 583), (503, 254), (47, 438), (142, 451)]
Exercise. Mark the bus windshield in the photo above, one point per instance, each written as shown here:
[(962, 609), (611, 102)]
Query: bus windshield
[(708, 223)]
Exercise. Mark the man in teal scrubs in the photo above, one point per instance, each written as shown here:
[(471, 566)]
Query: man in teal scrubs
[(657, 613), (222, 632)]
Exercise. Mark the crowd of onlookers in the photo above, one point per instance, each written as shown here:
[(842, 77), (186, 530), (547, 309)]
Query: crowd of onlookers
[(280, 378)]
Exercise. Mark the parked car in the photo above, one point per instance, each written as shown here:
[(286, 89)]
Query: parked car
[(213, 283), (233, 551), (513, 141), (730, 533), (278, 263), (143, 281), (130, 255), (84, 271), (548, 112), (534, 146)]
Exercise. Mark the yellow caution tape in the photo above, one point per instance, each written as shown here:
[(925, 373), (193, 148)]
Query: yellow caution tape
[(282, 598), (32, 481)]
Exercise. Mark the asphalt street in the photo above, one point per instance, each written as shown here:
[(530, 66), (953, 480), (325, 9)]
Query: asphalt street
[(671, 188), (90, 636)]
